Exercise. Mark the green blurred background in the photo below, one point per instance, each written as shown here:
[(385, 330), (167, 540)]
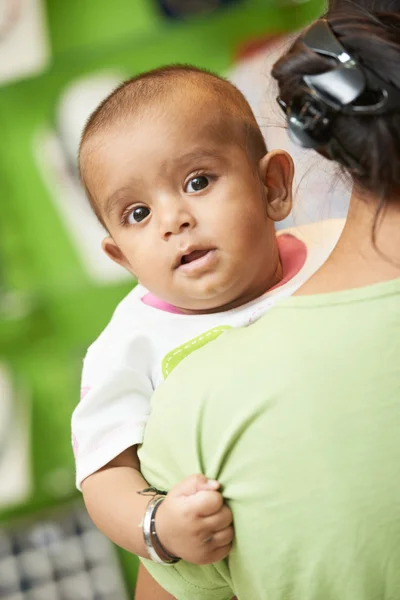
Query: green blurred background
[(56, 290)]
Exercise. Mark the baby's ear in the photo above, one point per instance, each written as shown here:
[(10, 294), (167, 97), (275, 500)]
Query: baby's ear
[(114, 252), (276, 171)]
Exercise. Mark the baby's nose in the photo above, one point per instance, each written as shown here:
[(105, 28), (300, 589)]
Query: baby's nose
[(176, 221)]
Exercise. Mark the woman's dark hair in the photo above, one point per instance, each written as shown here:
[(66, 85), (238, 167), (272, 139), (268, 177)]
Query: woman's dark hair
[(370, 31)]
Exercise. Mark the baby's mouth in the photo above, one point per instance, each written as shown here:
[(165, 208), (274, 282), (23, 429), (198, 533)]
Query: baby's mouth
[(194, 255), (196, 261)]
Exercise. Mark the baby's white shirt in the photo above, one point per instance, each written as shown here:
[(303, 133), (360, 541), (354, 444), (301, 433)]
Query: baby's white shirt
[(144, 342)]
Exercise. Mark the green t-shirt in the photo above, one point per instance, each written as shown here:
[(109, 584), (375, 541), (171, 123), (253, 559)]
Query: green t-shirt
[(298, 417)]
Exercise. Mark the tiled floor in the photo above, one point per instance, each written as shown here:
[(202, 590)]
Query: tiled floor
[(60, 558)]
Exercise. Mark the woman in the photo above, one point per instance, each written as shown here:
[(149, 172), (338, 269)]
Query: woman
[(300, 420)]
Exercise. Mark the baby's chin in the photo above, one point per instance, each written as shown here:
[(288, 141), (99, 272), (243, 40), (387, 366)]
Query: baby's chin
[(209, 303)]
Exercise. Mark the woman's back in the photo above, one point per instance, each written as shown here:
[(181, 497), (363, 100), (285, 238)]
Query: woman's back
[(302, 430)]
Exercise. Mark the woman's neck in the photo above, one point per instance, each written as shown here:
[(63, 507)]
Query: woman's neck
[(358, 259)]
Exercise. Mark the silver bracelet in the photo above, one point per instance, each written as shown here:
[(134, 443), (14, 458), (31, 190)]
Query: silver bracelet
[(154, 547)]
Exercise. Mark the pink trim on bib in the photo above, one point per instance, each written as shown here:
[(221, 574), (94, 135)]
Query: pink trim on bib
[(85, 390), (155, 302), (293, 254)]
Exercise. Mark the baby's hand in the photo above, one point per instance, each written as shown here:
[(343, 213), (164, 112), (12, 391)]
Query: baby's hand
[(194, 523)]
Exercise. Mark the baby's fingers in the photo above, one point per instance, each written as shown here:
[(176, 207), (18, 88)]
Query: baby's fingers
[(215, 549), (206, 503), (221, 553), (221, 538), (194, 484), (221, 519)]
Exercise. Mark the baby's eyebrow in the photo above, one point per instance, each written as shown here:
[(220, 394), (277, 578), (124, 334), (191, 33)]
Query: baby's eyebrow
[(114, 199), (196, 156)]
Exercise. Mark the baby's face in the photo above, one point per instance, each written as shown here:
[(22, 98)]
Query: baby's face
[(185, 209)]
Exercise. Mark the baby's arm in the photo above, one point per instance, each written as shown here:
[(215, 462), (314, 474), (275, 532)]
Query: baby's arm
[(147, 588), (192, 522)]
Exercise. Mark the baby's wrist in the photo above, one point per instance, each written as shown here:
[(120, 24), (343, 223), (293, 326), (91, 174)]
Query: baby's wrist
[(156, 549), (163, 527)]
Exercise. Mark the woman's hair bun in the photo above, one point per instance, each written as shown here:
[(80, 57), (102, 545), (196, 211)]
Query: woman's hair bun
[(370, 32)]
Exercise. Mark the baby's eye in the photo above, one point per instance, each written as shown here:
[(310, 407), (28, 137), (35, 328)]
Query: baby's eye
[(196, 184), (138, 214)]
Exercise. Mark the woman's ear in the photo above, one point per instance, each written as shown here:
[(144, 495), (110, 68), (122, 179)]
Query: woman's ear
[(276, 171), (114, 252)]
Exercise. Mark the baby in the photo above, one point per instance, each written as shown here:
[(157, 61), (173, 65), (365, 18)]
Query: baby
[(176, 169)]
